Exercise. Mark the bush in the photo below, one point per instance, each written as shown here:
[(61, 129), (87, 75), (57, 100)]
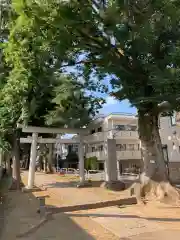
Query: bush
[(91, 163)]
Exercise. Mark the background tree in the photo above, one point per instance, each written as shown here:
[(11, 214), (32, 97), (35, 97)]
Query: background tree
[(27, 85), (91, 163), (135, 43), (27, 90), (73, 107), (72, 159)]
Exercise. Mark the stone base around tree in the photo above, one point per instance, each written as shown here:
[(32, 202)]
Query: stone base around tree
[(84, 184), (114, 185)]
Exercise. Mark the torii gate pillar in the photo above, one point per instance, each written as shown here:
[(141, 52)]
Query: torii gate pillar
[(32, 165), (81, 160)]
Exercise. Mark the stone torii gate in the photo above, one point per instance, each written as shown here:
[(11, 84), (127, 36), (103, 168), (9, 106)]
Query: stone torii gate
[(34, 140)]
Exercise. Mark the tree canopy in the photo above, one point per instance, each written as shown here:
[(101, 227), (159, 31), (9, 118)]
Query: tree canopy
[(73, 107), (29, 75), (133, 43), (34, 85)]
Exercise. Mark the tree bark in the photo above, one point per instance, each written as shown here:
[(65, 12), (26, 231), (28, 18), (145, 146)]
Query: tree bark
[(26, 155), (8, 163), (154, 182), (50, 158), (45, 163), (152, 152), (27, 161), (16, 161)]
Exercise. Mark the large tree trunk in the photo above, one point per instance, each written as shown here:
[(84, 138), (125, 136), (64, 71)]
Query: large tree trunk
[(50, 158), (154, 182), (8, 163), (26, 156), (45, 161), (16, 161), (27, 161)]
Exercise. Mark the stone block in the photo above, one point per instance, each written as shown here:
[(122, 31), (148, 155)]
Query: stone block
[(114, 185)]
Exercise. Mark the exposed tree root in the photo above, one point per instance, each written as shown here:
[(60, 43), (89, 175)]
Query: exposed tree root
[(156, 191)]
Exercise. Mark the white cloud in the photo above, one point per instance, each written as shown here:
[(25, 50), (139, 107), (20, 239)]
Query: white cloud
[(111, 101)]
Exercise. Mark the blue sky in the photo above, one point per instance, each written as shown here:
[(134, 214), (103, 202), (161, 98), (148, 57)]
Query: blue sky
[(112, 105)]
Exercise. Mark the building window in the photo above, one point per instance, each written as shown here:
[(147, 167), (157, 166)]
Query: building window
[(93, 149), (131, 147), (101, 166), (100, 148), (75, 148), (99, 129), (125, 127), (120, 127), (128, 128), (133, 128), (70, 148), (121, 147)]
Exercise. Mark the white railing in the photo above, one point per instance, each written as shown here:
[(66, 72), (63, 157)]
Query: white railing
[(122, 155), (123, 134), (95, 137), (102, 136)]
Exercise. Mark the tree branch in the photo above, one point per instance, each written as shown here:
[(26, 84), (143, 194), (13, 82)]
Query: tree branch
[(79, 63), (164, 107), (117, 52)]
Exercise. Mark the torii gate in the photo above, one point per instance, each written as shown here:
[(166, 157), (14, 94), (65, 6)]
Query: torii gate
[(34, 140)]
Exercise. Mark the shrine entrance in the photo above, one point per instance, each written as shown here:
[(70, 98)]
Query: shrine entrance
[(34, 140)]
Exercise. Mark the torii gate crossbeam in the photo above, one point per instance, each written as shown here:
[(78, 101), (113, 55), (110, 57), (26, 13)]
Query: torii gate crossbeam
[(34, 140)]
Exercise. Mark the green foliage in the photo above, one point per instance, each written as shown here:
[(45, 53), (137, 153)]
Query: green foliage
[(31, 83), (136, 43), (91, 163), (72, 157), (73, 107)]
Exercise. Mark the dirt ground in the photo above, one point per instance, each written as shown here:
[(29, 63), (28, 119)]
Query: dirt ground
[(19, 218), (21, 221)]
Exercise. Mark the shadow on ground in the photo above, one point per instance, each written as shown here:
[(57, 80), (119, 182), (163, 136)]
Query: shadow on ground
[(124, 216), (20, 212), (74, 183), (5, 183), (71, 184)]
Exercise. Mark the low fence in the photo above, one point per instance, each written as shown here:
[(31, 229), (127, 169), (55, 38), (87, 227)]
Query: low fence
[(97, 175)]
